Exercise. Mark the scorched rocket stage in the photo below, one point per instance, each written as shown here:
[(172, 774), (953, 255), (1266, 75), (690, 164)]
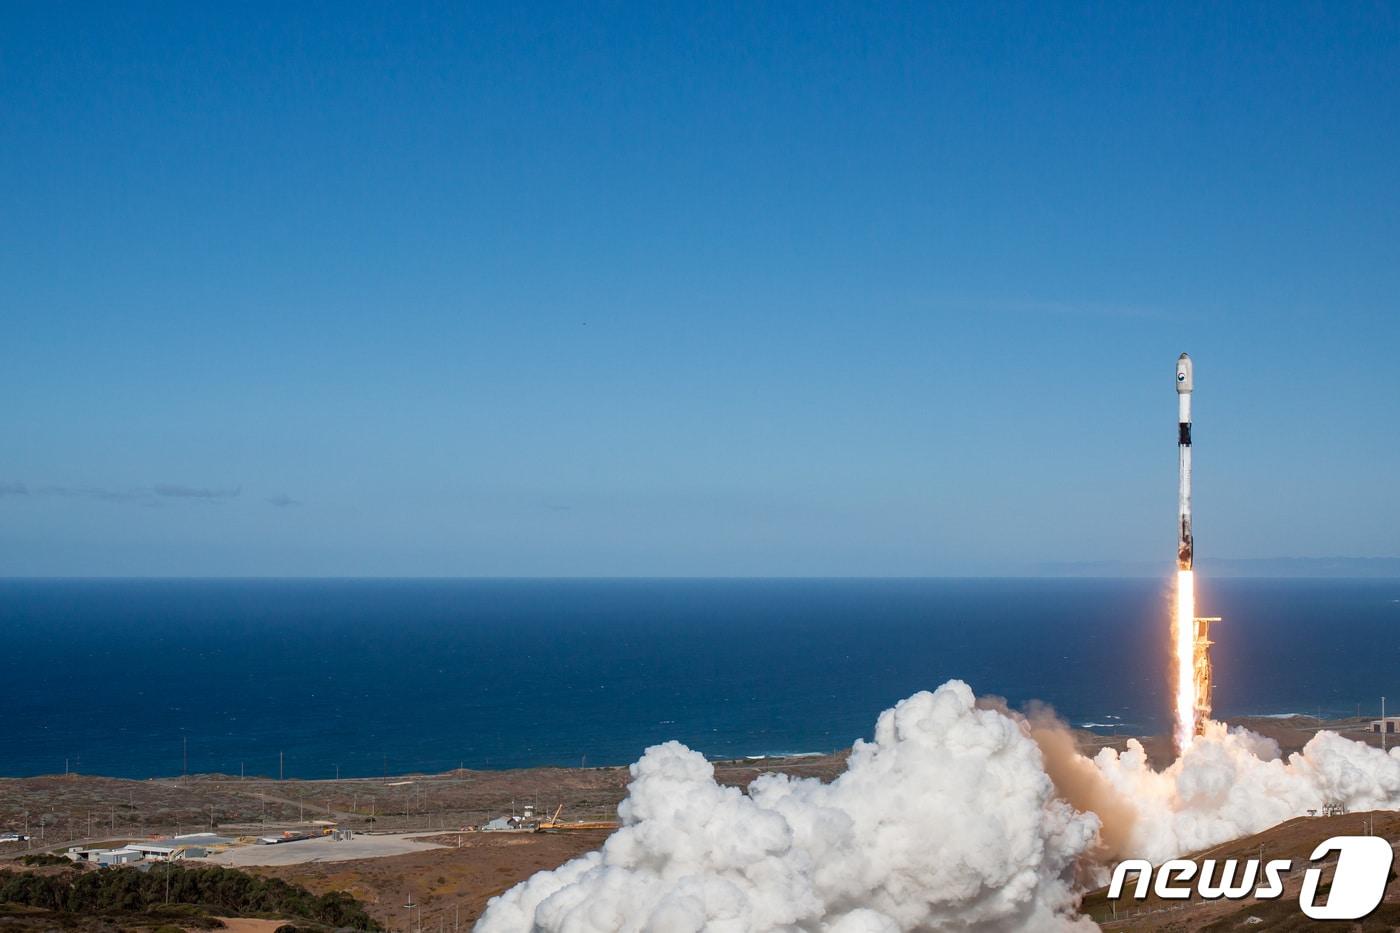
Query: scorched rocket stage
[(1183, 446)]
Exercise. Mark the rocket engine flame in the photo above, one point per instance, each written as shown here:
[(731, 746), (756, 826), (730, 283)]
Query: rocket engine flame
[(1184, 649)]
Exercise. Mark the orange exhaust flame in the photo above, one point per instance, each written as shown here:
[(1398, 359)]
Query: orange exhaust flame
[(1191, 647), (1184, 650)]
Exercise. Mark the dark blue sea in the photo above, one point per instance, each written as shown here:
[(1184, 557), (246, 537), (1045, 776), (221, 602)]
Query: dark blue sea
[(375, 676)]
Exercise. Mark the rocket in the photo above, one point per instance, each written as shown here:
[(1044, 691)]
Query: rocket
[(1183, 447)]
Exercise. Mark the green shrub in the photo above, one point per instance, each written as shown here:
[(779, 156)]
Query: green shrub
[(191, 891)]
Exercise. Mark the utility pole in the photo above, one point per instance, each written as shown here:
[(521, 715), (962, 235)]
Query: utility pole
[(280, 761), (185, 755), (1384, 725)]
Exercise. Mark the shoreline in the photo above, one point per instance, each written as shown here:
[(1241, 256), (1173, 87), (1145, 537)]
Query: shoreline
[(420, 801), (1263, 723), (410, 827)]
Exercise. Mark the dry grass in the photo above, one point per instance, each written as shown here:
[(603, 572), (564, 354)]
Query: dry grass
[(70, 808), (448, 885)]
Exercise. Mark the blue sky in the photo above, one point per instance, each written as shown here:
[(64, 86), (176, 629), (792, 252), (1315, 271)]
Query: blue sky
[(497, 289)]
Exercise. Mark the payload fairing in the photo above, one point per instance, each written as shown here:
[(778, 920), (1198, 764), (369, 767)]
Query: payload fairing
[(1183, 446)]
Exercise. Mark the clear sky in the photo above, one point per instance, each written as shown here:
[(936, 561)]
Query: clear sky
[(669, 289)]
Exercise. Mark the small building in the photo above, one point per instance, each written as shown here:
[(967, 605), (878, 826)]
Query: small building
[(122, 856), (105, 857), (191, 845), (1390, 725), (162, 850), (501, 824), (80, 854)]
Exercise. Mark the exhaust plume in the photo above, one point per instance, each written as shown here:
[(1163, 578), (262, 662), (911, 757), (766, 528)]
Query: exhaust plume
[(946, 820), (959, 815), (1232, 782)]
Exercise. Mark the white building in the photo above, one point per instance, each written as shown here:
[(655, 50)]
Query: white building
[(122, 856), (105, 857)]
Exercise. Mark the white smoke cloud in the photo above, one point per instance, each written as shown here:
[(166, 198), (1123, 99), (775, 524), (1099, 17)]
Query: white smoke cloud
[(946, 819), (1232, 783), (957, 816)]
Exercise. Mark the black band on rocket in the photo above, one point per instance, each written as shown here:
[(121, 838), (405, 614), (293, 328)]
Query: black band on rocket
[(1183, 436)]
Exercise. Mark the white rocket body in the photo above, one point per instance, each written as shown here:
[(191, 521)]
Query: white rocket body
[(1184, 545)]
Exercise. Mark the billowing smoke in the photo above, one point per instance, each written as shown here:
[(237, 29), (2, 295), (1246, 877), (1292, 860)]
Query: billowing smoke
[(1232, 782), (958, 815), (1078, 782), (946, 819)]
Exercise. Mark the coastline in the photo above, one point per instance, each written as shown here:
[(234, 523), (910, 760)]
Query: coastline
[(420, 817)]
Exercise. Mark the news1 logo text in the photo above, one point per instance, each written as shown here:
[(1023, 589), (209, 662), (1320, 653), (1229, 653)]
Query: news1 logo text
[(1363, 868)]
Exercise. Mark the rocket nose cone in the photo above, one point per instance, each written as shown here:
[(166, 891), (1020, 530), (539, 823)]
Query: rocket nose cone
[(1183, 374)]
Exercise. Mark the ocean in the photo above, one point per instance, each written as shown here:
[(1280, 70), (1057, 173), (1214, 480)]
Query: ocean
[(143, 678)]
